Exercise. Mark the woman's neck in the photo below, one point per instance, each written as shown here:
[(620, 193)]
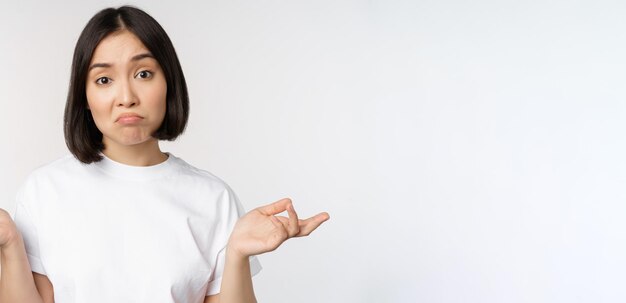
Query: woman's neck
[(144, 154)]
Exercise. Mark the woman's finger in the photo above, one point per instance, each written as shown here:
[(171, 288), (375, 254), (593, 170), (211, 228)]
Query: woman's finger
[(274, 208), (282, 233), (309, 225), (293, 226), (279, 222), (283, 221)]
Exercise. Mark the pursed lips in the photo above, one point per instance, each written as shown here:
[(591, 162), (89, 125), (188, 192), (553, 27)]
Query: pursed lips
[(129, 117)]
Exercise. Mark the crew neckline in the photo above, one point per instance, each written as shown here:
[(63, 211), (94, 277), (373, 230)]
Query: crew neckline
[(131, 172)]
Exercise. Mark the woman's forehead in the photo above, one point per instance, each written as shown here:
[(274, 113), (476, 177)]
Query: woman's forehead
[(119, 46)]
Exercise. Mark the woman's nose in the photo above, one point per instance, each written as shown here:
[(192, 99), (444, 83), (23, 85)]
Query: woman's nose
[(126, 96)]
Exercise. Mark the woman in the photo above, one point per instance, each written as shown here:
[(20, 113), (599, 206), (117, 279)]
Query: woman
[(119, 220)]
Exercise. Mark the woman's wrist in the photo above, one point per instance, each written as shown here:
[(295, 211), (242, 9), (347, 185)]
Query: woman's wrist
[(14, 238), (233, 253), (14, 248)]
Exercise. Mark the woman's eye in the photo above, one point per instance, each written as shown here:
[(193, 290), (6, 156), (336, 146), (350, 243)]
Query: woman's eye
[(103, 80), (144, 74)]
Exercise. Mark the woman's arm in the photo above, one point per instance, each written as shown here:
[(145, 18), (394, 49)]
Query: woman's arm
[(259, 231), (44, 287), (236, 281), (17, 283)]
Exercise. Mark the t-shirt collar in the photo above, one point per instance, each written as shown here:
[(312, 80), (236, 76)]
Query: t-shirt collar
[(125, 171)]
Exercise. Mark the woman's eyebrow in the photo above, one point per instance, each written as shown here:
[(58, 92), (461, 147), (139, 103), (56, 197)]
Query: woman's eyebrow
[(141, 56), (134, 58)]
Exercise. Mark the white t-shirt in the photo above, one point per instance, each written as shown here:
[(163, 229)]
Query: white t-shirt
[(110, 232)]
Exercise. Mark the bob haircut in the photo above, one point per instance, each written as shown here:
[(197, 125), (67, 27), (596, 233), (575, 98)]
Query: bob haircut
[(82, 137)]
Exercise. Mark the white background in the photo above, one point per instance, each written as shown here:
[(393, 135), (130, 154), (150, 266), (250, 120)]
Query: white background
[(467, 151)]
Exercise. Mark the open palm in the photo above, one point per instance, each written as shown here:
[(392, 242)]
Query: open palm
[(260, 230)]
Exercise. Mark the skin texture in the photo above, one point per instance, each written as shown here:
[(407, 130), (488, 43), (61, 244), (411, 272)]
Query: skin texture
[(16, 283), (44, 287), (125, 78), (257, 232)]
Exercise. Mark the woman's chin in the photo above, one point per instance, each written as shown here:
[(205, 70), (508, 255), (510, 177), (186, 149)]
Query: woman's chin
[(131, 140)]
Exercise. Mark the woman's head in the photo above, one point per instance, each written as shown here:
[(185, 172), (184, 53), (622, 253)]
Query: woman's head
[(124, 62)]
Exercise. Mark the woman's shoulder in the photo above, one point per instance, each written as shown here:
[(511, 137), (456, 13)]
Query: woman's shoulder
[(190, 171), (63, 163), (47, 173)]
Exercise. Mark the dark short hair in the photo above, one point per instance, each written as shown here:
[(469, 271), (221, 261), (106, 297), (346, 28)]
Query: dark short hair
[(82, 137)]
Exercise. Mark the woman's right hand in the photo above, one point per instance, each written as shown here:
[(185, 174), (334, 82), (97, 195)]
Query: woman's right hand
[(8, 230), (260, 230)]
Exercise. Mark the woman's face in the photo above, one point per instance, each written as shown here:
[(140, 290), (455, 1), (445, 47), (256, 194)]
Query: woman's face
[(124, 79)]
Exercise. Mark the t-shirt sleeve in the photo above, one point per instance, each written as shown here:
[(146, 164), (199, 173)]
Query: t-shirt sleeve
[(233, 209), (27, 227)]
